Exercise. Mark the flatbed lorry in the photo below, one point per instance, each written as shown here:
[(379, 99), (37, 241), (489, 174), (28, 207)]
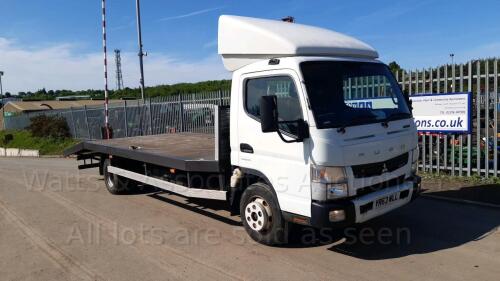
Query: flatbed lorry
[(317, 133)]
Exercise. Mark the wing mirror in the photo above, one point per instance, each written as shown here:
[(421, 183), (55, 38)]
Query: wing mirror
[(269, 120), (269, 114), (409, 102)]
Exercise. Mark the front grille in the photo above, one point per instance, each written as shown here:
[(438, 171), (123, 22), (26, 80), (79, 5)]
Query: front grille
[(379, 186), (376, 169)]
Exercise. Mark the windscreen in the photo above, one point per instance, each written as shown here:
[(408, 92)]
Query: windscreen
[(343, 93)]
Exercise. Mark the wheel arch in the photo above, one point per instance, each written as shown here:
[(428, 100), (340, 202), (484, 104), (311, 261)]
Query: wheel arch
[(252, 176)]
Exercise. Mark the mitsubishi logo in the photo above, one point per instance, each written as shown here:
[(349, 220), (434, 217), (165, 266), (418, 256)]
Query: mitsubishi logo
[(384, 169)]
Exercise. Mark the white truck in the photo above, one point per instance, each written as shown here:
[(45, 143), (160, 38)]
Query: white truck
[(317, 133)]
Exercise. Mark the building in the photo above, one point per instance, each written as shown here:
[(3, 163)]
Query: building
[(6, 100), (73, 98), (14, 108)]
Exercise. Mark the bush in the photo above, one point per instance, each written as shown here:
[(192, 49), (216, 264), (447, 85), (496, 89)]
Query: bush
[(43, 126), (23, 139), (8, 138)]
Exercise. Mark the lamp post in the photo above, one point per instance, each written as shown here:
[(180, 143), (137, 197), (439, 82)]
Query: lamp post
[(107, 133), (1, 87), (452, 56), (141, 53)]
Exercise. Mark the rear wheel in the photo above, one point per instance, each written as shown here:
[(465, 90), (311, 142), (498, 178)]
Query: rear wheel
[(116, 184), (261, 215)]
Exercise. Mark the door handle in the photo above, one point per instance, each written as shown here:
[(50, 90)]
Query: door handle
[(246, 148)]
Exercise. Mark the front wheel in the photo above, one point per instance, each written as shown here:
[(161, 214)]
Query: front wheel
[(116, 184), (261, 215)]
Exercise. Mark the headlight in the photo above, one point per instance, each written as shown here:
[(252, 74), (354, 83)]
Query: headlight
[(328, 183)]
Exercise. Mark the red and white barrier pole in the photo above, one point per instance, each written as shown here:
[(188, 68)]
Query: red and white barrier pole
[(106, 98)]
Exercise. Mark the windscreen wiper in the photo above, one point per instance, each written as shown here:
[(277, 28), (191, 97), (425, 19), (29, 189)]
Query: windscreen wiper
[(355, 121), (394, 116), (397, 116)]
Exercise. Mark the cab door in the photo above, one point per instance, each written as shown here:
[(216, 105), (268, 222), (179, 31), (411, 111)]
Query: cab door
[(286, 165)]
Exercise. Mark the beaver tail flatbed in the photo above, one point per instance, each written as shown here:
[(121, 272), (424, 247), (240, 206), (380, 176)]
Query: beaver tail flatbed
[(188, 159), (184, 151)]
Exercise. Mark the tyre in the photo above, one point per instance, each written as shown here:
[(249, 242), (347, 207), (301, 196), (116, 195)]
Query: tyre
[(261, 215), (116, 184)]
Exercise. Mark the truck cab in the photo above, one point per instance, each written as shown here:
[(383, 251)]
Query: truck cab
[(320, 121)]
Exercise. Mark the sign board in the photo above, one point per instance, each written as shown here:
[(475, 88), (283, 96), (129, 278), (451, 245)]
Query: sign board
[(373, 103), (443, 113)]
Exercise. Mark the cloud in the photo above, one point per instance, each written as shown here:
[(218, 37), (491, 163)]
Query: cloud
[(427, 58), (211, 44), (487, 50), (390, 12), (62, 67), (195, 13)]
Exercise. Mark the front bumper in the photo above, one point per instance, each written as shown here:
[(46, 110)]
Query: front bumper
[(364, 208)]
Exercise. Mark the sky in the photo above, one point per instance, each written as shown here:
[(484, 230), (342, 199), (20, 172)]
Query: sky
[(56, 44)]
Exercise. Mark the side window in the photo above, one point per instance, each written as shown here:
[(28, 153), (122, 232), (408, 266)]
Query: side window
[(284, 89)]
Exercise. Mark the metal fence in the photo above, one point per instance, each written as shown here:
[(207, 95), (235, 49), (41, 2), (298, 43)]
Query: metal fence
[(459, 154), (455, 154), (160, 115)]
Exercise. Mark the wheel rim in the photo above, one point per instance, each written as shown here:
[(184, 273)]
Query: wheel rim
[(258, 214)]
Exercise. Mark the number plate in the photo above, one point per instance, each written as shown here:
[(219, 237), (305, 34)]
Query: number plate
[(383, 201)]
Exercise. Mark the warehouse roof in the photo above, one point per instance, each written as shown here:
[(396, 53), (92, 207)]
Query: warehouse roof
[(52, 104)]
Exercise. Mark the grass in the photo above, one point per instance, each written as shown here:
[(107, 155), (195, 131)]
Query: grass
[(24, 140), (474, 179)]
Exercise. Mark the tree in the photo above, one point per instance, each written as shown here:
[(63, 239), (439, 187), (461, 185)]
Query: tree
[(153, 91), (41, 92), (8, 95), (395, 67)]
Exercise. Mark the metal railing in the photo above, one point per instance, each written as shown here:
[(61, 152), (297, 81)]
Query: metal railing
[(456, 154), (461, 154), (159, 115)]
